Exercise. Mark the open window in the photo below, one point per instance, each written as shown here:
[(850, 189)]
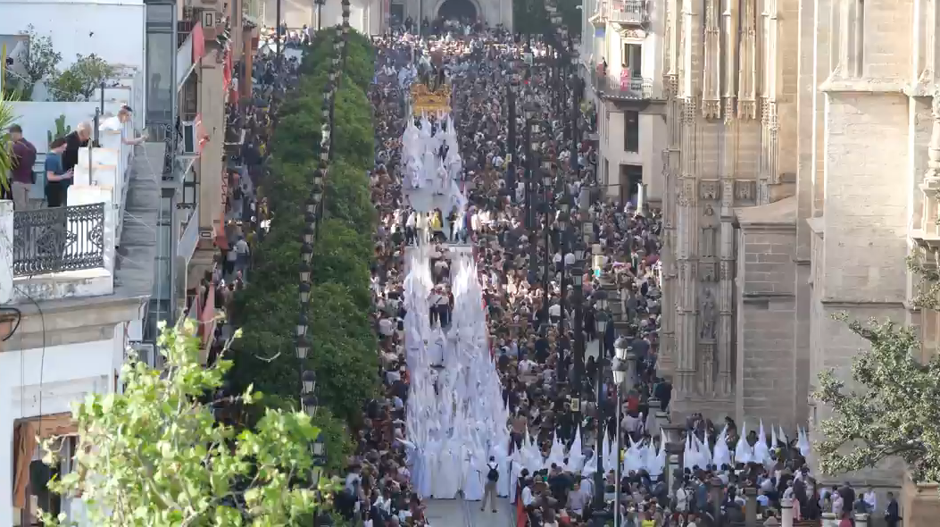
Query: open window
[(31, 476)]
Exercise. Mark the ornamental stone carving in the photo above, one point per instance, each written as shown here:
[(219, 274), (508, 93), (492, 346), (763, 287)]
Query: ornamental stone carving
[(708, 190), (744, 190), (708, 315), (686, 193), (707, 271), (708, 242), (726, 271)]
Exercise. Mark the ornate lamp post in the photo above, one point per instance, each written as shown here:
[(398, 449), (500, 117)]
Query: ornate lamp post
[(623, 378), (576, 274), (313, 210)]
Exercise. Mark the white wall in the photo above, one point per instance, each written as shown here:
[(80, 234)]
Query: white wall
[(66, 374), (652, 140), (364, 15), (113, 30)]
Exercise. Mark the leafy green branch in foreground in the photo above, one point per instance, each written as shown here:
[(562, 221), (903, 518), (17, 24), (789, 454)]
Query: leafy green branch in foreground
[(155, 454)]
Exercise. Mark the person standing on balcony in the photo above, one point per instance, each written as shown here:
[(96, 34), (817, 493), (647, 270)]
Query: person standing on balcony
[(116, 123), (24, 157), (73, 142), (58, 179)]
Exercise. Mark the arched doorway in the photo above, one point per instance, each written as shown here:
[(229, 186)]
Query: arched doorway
[(457, 10)]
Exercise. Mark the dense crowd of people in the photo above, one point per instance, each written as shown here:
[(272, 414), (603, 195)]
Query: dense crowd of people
[(526, 249)]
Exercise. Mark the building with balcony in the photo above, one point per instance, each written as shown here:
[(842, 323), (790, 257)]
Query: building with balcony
[(621, 55), (199, 117), (75, 283)]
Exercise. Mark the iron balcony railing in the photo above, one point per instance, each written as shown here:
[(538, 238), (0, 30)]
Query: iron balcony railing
[(625, 88), (58, 239), (634, 12)]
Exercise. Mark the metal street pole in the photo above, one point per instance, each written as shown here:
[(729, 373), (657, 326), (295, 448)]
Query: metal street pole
[(576, 274), (277, 33), (547, 261), (619, 462), (511, 169), (575, 115), (599, 487), (526, 136)]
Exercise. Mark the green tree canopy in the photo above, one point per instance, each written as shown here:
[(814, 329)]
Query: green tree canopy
[(343, 344), (155, 455), (360, 57), (892, 410)]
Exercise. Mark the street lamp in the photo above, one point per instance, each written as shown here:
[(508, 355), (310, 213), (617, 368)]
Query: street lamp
[(310, 403), (302, 348), (621, 380), (600, 505), (309, 380)]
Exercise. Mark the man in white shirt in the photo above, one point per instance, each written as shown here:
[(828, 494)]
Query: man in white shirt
[(871, 499), (527, 498), (242, 252), (525, 366)]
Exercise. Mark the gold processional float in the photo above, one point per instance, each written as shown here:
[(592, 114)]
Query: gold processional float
[(432, 102)]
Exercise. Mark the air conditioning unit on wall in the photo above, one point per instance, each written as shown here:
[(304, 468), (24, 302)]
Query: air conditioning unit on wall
[(190, 143)]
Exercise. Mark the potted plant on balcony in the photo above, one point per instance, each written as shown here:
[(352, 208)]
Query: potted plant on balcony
[(6, 157)]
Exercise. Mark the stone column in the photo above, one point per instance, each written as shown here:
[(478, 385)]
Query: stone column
[(750, 509), (861, 520), (687, 303), (726, 261), (729, 28), (786, 512), (673, 464), (747, 80), (671, 161), (711, 69), (662, 421)]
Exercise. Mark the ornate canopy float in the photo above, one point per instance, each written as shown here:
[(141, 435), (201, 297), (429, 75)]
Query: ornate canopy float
[(430, 154)]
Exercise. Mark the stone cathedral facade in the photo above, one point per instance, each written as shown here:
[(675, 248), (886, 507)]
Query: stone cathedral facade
[(802, 167), (730, 97)]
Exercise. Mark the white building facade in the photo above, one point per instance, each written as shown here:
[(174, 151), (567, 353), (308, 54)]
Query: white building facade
[(75, 281), (626, 36)]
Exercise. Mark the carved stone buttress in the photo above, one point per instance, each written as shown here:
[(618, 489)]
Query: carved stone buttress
[(729, 27), (747, 80), (711, 69)]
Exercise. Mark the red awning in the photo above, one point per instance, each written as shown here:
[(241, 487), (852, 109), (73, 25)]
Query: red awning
[(227, 72), (199, 43)]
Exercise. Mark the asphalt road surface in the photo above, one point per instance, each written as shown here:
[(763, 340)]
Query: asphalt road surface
[(460, 513)]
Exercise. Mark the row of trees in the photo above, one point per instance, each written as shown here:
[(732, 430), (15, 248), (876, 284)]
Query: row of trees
[(342, 342)]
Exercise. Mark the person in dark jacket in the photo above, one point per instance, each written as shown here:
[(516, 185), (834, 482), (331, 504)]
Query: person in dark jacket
[(892, 512), (73, 142)]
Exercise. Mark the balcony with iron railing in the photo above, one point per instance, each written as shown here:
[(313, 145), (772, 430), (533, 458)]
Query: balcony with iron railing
[(626, 88), (627, 12), (69, 252)]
